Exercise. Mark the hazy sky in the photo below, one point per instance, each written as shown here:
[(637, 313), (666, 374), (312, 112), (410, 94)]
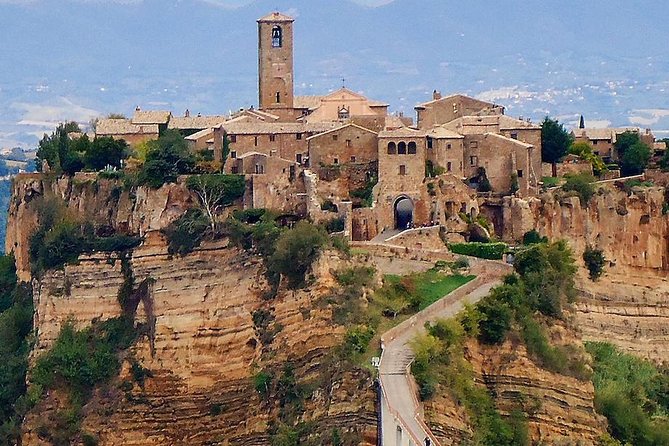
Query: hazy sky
[(78, 59)]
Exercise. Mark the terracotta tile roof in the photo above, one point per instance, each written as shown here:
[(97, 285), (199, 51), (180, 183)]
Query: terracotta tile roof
[(452, 97), (276, 17), (342, 127), (200, 134), (263, 128), (394, 122), (151, 117), (196, 122), (404, 132), (442, 133), (307, 102), (112, 127), (609, 133), (504, 138)]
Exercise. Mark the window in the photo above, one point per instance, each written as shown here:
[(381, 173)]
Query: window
[(272, 153), (412, 148), (336, 161), (234, 170), (520, 174), (277, 37), (594, 143), (449, 145), (429, 142), (272, 137), (255, 141), (278, 97), (334, 137), (343, 113), (298, 136), (473, 160), (392, 148), (233, 138), (260, 169), (353, 159), (449, 166), (233, 154), (403, 169), (514, 135), (298, 158), (474, 144), (402, 148), (348, 143)]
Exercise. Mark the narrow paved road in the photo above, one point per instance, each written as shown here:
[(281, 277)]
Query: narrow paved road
[(403, 423)]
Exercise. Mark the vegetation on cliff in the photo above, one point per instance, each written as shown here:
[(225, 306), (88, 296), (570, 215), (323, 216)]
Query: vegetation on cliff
[(61, 237), (633, 394), (16, 323), (522, 307)]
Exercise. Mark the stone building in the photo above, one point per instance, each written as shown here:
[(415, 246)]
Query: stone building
[(603, 140), (441, 110)]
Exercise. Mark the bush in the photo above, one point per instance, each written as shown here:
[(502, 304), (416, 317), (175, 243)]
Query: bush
[(532, 237), (262, 382), (295, 251), (357, 339), (364, 194), (167, 158), (334, 225), (490, 251), (582, 185), (187, 232), (495, 320), (594, 260)]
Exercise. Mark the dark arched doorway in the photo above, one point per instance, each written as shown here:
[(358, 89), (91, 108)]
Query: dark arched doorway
[(403, 213)]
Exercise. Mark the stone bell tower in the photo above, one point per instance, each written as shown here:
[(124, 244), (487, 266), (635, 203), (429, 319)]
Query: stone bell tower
[(275, 63)]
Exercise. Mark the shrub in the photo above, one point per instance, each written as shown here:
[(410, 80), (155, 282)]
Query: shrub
[(532, 237), (295, 251), (167, 157), (250, 216), (334, 225), (328, 205), (594, 260), (357, 339), (187, 232), (364, 194), (262, 382), (495, 320), (490, 251), (582, 185)]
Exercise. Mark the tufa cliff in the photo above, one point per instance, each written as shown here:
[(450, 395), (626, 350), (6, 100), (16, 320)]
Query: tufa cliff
[(210, 330)]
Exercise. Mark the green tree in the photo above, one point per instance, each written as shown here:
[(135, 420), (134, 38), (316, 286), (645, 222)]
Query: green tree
[(635, 159), (295, 251), (582, 185), (584, 150), (106, 151), (61, 153), (167, 158), (215, 191), (624, 141), (594, 261), (555, 142)]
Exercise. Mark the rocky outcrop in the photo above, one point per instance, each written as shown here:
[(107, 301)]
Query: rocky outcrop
[(204, 347), (631, 228), (137, 210), (559, 409)]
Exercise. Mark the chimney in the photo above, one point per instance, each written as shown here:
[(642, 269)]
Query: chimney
[(138, 108), (647, 131), (436, 95), (187, 113)]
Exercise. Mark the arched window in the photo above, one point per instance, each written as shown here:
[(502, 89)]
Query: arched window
[(278, 97), (402, 148), (343, 113), (277, 37), (392, 148), (412, 148)]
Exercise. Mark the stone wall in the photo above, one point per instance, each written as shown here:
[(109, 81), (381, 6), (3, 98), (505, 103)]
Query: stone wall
[(348, 144)]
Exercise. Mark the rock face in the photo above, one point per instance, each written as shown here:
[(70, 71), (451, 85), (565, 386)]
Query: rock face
[(559, 409), (204, 343), (203, 349), (632, 229), (628, 305)]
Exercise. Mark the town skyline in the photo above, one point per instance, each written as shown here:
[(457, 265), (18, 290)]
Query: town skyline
[(178, 71)]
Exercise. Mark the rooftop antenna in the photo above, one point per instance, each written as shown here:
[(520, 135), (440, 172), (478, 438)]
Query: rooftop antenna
[(343, 82)]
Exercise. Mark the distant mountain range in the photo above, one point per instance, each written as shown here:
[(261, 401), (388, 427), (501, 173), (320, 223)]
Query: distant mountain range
[(67, 59)]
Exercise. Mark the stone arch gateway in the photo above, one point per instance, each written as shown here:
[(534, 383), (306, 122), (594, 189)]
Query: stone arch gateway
[(403, 210)]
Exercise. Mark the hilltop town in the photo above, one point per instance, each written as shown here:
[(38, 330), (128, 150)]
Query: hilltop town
[(317, 270)]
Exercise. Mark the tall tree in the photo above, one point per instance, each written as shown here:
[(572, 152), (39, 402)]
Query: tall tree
[(635, 159), (555, 142)]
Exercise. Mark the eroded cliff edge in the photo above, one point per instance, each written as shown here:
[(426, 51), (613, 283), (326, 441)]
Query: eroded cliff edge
[(209, 331)]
